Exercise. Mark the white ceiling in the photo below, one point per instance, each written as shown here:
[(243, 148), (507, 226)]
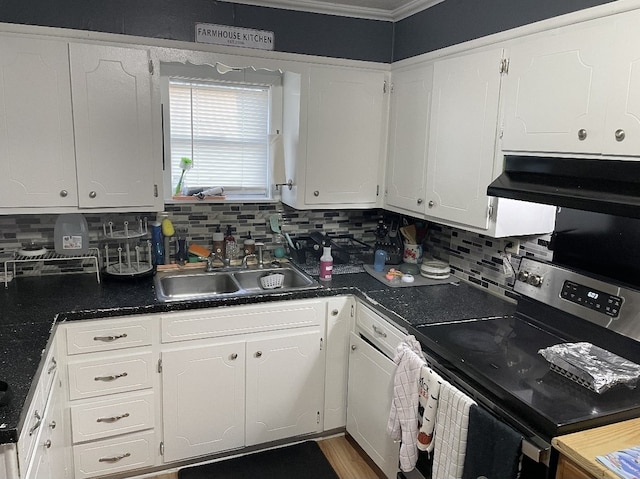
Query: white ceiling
[(391, 10)]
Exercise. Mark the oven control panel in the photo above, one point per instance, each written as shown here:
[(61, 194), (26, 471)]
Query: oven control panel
[(591, 298)]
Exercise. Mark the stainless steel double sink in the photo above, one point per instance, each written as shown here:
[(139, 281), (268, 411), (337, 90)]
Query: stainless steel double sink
[(230, 282)]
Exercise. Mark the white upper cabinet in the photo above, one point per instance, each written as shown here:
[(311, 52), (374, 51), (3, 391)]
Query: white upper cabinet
[(443, 153), (463, 126), (113, 125), (574, 90), (345, 126), (622, 121), (411, 92), (37, 161), (76, 127)]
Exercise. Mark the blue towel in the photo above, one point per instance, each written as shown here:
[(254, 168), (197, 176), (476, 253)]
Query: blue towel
[(493, 447)]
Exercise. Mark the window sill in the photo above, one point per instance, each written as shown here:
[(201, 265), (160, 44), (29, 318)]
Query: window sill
[(217, 200)]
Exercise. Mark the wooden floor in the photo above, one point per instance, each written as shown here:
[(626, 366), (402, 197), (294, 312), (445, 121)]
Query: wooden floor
[(345, 456)]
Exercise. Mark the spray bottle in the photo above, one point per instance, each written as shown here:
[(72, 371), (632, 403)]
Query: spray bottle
[(326, 262)]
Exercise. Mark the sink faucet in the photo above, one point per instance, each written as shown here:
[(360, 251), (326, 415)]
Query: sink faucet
[(246, 257), (212, 257)]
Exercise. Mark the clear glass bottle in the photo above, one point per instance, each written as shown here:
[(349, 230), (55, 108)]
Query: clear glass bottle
[(230, 245)]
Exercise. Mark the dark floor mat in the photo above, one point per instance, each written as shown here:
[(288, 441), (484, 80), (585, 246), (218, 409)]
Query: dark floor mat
[(304, 460)]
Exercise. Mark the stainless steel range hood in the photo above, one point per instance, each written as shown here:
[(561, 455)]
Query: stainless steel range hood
[(603, 186)]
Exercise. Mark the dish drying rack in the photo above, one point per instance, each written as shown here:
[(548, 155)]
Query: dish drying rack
[(132, 260), (92, 255)]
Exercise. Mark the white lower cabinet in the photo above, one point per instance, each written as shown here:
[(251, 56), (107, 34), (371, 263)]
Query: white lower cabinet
[(111, 392), (370, 390), (340, 320), (47, 461), (224, 389), (137, 392), (203, 391)]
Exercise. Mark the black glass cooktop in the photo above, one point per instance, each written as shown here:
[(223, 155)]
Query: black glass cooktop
[(501, 356)]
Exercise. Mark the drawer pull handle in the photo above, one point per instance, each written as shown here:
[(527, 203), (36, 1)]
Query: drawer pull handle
[(115, 458), (37, 424), (112, 418), (54, 365), (108, 339), (379, 331), (110, 378)]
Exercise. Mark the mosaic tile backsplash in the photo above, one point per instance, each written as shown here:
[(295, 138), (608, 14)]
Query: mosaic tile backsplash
[(472, 257)]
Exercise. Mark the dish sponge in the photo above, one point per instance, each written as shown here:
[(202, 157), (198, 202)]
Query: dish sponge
[(199, 250), (167, 227)]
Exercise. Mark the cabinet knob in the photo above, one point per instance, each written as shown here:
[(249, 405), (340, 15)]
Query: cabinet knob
[(582, 134), (47, 443), (52, 424), (334, 312), (431, 204), (258, 354), (353, 347), (620, 134), (234, 356), (316, 193), (64, 193), (93, 194), (419, 201)]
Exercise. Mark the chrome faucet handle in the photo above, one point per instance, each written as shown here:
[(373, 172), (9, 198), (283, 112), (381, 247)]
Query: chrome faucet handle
[(212, 257), (246, 257), (260, 259)]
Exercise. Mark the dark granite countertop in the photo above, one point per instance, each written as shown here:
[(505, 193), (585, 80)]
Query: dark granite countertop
[(31, 306)]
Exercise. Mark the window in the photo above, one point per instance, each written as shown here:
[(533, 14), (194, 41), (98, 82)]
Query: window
[(223, 127)]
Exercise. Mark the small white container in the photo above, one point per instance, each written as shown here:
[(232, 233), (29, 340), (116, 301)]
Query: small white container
[(71, 235)]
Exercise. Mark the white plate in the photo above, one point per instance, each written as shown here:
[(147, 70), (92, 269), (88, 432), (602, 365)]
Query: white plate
[(29, 253)]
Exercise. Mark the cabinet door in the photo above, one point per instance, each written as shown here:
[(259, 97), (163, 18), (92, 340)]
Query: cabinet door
[(409, 138), (285, 386), (48, 461), (111, 88), (554, 93), (622, 125), (340, 320), (37, 157), (203, 399), (369, 401), (462, 138), (345, 136)]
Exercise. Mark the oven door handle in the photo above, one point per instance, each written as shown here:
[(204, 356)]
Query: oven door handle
[(535, 452)]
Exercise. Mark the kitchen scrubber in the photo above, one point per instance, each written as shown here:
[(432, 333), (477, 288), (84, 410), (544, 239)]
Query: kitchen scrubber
[(167, 227)]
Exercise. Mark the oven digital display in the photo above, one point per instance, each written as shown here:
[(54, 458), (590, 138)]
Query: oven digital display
[(591, 298)]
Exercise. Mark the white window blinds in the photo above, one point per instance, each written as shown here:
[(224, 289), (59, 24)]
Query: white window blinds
[(224, 129)]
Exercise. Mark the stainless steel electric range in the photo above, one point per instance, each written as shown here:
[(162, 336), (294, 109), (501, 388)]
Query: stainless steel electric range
[(497, 361)]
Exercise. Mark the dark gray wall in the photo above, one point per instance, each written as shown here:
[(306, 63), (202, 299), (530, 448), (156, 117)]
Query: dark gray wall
[(295, 32), (445, 24), (457, 21)]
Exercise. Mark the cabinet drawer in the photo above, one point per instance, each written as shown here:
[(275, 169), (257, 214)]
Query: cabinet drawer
[(109, 334), (98, 420), (382, 333), (217, 322), (124, 453), (110, 375)]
